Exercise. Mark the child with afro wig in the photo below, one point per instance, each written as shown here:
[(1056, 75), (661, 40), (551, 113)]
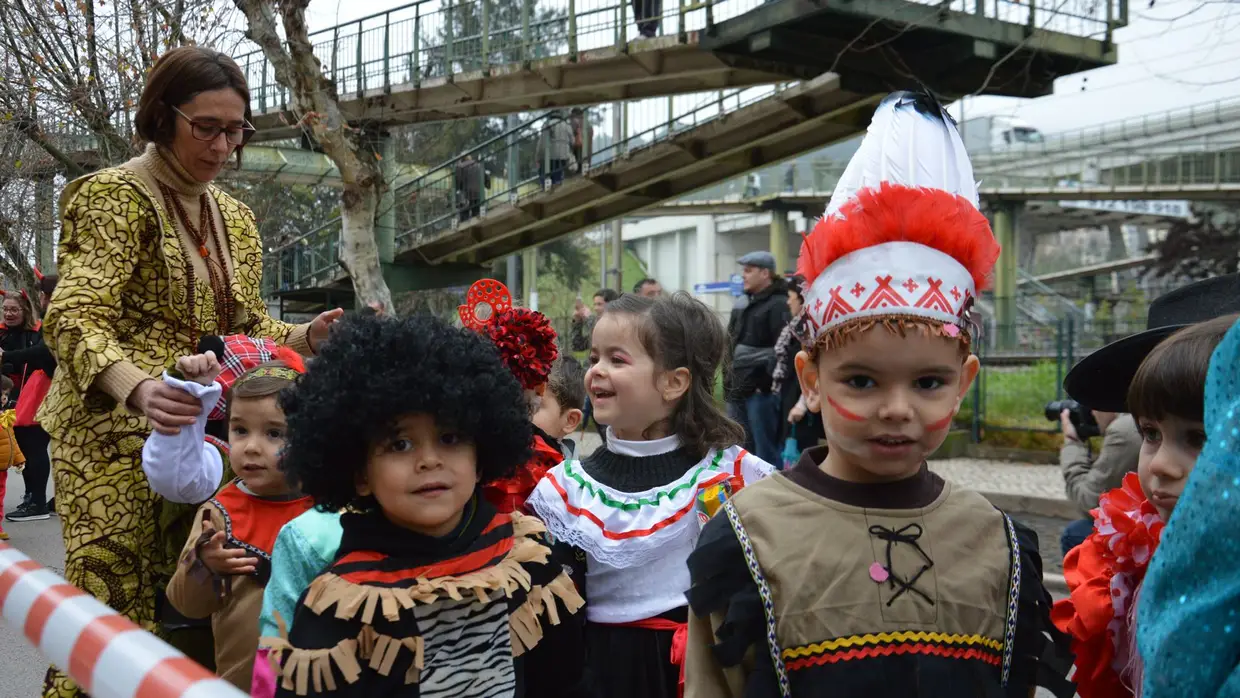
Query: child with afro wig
[(432, 591)]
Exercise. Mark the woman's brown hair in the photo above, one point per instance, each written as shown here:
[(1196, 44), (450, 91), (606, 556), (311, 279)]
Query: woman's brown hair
[(679, 331), (1172, 378), (179, 76), (29, 317)]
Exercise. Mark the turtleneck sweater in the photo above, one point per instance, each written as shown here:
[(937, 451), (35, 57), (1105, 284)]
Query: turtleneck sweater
[(155, 166), (636, 466)]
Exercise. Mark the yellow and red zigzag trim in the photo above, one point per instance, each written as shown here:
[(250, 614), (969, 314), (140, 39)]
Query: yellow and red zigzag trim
[(853, 647)]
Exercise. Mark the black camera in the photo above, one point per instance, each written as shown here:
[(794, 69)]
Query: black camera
[(1081, 417)]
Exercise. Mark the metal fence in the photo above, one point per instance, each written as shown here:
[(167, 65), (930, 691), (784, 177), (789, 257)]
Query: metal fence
[(1023, 367), (437, 38), (521, 163)]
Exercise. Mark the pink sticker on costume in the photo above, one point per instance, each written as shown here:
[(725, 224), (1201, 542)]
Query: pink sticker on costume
[(951, 330), (878, 573)]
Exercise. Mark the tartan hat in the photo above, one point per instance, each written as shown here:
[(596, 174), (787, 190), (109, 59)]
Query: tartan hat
[(241, 353)]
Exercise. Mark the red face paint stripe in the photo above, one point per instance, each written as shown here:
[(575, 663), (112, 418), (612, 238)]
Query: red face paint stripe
[(941, 424), (43, 606), (843, 412)]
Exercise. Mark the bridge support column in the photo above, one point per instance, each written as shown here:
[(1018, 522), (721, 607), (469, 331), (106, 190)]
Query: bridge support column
[(1004, 223), (779, 239), (45, 205)]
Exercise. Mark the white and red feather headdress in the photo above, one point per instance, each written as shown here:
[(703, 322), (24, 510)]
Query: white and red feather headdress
[(902, 235)]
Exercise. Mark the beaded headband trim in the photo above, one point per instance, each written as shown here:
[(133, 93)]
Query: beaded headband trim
[(287, 374)]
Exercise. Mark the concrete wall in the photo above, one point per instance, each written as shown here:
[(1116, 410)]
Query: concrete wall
[(682, 251)]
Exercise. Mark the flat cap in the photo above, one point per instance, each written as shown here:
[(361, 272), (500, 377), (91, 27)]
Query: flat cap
[(761, 258)]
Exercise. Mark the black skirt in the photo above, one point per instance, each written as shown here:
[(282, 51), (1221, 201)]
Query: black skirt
[(628, 662)]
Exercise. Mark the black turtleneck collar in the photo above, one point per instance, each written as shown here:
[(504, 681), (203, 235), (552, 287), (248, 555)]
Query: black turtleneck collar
[(373, 531), (913, 492), (637, 473)]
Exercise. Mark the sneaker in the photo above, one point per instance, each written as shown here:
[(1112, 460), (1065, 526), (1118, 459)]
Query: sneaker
[(28, 512)]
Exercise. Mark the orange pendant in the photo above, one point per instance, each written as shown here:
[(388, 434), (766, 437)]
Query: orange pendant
[(202, 250)]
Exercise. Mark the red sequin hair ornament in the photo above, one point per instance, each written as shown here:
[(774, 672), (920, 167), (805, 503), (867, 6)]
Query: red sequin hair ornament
[(525, 338)]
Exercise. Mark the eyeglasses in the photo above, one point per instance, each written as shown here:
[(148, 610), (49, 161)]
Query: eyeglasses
[(209, 131)]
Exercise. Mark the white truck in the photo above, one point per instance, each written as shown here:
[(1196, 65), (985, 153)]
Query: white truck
[(984, 134)]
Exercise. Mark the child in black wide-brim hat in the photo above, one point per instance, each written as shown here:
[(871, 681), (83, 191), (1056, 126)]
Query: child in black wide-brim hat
[(1159, 376)]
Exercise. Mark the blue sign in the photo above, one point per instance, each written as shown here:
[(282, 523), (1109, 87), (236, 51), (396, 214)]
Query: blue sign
[(734, 286), (713, 287)]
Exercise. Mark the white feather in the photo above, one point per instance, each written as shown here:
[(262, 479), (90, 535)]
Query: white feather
[(903, 146)]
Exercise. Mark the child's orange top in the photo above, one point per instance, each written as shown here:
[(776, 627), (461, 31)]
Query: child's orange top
[(509, 495)]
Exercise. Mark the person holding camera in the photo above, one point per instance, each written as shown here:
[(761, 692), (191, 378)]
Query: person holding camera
[(1086, 480)]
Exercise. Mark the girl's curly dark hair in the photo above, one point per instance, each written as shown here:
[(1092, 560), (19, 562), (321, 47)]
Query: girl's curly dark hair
[(375, 370)]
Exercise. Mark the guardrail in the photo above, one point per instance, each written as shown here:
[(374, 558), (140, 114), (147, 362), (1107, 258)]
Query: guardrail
[(437, 38), (516, 165), (105, 653)]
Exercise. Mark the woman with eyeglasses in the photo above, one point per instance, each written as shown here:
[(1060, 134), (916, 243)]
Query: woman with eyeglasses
[(152, 257)]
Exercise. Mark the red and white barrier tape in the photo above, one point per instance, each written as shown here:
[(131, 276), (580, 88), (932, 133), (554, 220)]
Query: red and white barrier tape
[(105, 653)]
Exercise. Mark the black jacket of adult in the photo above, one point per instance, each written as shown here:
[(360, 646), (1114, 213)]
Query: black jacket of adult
[(754, 329), (21, 346)]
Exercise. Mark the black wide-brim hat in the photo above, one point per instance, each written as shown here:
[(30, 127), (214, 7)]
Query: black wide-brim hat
[(1100, 381)]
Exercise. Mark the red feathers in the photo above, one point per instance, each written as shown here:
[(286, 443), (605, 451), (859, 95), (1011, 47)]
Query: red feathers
[(526, 341), (896, 213), (289, 358)]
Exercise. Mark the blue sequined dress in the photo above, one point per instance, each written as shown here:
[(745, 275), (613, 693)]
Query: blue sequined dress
[(1188, 624)]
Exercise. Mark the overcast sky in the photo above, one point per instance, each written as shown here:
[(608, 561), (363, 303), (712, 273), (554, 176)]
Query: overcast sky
[(1173, 54)]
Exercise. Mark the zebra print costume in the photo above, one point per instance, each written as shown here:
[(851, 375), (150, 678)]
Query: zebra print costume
[(491, 613)]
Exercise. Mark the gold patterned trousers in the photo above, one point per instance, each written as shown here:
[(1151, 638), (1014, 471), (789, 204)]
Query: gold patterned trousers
[(112, 527)]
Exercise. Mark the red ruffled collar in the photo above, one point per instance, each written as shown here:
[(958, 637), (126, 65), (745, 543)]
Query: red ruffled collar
[(1127, 526), (1103, 576), (509, 495)]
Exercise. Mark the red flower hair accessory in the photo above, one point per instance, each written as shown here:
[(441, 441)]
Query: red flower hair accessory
[(525, 338), (526, 341)]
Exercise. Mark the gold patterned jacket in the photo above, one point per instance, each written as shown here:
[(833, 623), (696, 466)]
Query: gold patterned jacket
[(123, 297)]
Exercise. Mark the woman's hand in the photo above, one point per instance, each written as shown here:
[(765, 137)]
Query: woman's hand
[(224, 562), (321, 326), (167, 408)]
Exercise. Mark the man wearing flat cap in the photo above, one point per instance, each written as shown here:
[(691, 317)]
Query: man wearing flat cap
[(754, 328)]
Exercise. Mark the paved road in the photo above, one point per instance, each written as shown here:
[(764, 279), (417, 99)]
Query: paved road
[(21, 665)]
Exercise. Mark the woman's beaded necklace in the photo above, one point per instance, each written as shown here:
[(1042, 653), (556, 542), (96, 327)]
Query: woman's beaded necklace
[(217, 274)]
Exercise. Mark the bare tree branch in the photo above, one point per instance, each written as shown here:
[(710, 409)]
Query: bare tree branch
[(316, 106)]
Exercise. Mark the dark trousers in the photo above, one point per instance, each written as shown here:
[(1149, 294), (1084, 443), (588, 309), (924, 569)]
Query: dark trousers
[(470, 212), (647, 13), (762, 411), (33, 442), (1074, 534), (556, 175)]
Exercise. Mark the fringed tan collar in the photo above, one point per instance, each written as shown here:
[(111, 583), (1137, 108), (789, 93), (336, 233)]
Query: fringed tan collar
[(514, 577)]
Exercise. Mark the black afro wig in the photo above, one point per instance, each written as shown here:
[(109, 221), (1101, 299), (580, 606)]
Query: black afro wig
[(375, 370)]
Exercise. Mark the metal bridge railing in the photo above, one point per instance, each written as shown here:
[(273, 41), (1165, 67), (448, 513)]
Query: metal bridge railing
[(1122, 131), (521, 163), (437, 38), (1187, 166)]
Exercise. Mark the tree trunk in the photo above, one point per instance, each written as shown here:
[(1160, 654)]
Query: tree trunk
[(314, 102)]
